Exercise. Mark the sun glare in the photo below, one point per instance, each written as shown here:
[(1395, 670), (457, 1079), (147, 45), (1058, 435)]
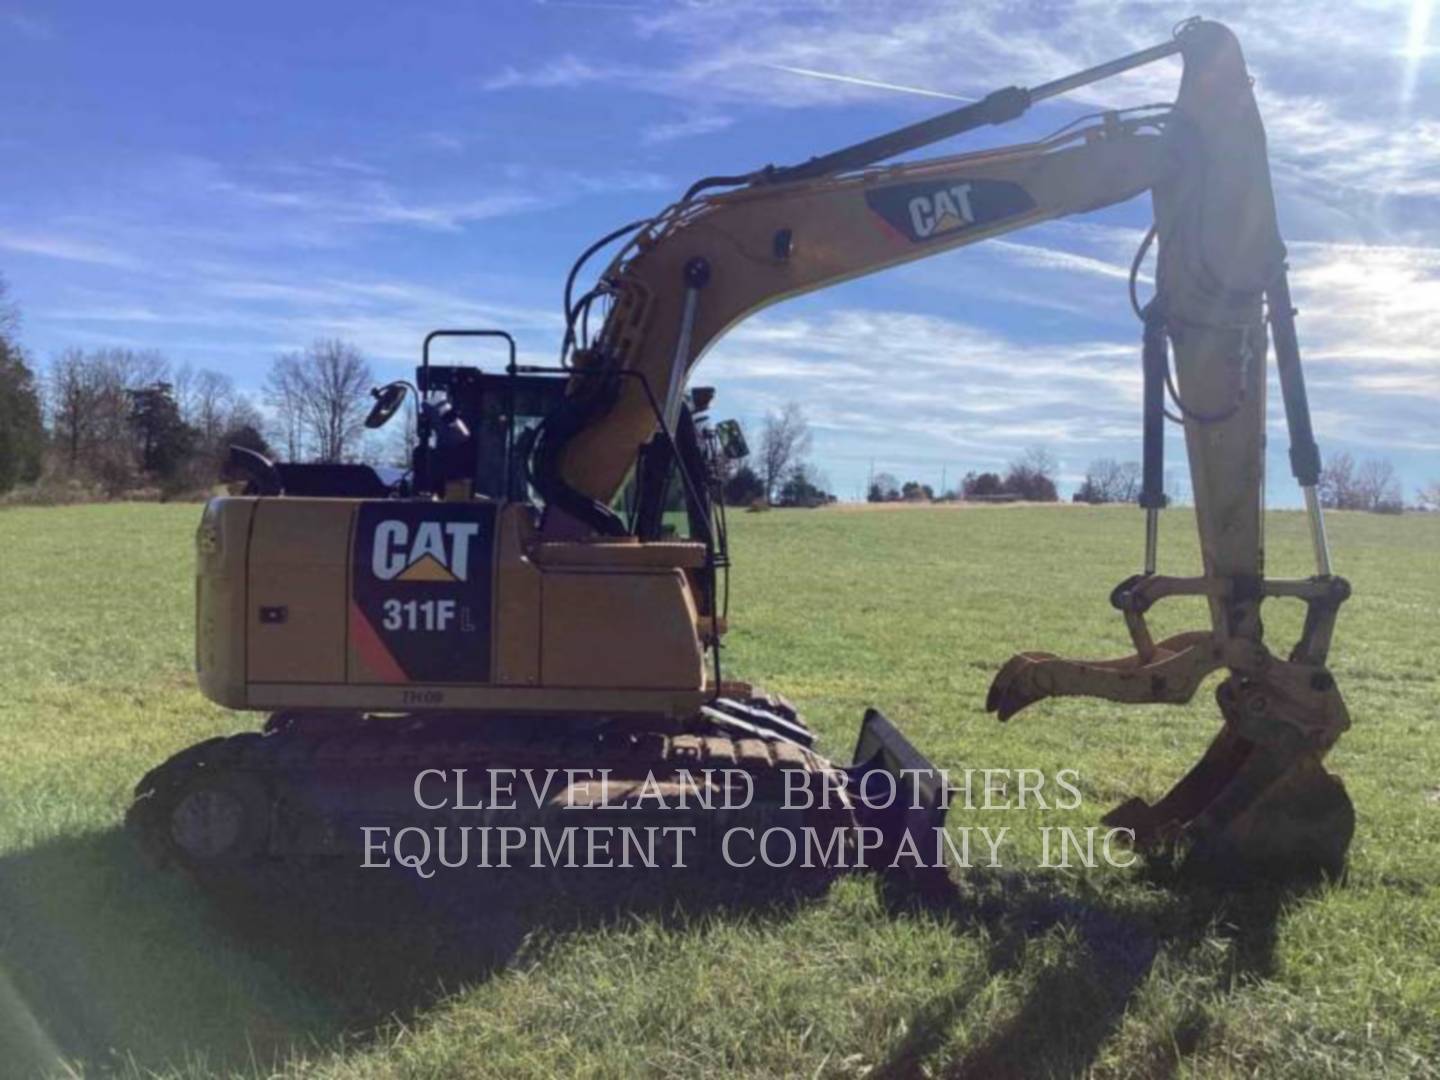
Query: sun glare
[(1416, 47)]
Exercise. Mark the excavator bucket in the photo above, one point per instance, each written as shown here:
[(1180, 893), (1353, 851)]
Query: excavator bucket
[(1246, 809), (1260, 800)]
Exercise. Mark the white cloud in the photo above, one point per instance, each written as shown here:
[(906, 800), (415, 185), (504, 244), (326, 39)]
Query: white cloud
[(897, 385), (563, 71), (1353, 161), (690, 126), (346, 199), (105, 314), (445, 141), (1046, 258), (1344, 148), (873, 84), (1373, 311), (374, 202), (70, 248), (940, 384)]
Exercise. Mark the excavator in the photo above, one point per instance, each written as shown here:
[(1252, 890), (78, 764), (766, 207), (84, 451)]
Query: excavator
[(545, 588)]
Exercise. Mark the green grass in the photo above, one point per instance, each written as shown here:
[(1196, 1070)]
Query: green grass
[(107, 968)]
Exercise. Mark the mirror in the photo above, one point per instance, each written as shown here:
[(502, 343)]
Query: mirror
[(732, 440), (387, 400)]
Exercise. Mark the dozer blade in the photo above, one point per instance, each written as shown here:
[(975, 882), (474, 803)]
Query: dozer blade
[(896, 788)]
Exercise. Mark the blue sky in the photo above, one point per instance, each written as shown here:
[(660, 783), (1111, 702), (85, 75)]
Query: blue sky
[(228, 182)]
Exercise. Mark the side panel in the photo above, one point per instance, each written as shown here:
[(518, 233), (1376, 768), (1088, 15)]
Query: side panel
[(619, 630), (291, 610), (296, 608)]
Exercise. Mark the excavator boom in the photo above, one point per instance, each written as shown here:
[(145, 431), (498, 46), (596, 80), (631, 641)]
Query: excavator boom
[(688, 275)]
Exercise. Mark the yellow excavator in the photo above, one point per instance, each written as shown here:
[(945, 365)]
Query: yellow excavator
[(545, 589)]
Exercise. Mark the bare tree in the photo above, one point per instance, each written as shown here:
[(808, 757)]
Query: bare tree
[(71, 396), (212, 401), (399, 441), (1108, 480), (883, 488), (784, 442), (243, 413), (340, 380), (206, 399), (1428, 497), (182, 389), (22, 432), (285, 394), (1367, 485), (1376, 486), (1032, 475), (89, 406), (1337, 483), (319, 398), (9, 314)]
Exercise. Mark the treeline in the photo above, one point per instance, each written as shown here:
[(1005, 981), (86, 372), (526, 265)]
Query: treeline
[(22, 432), (1029, 478), (121, 420), (107, 422), (1346, 484)]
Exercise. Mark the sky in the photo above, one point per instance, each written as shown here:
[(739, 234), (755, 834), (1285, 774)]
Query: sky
[(225, 183)]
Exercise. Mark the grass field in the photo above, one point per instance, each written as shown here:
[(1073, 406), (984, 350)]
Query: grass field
[(106, 968)]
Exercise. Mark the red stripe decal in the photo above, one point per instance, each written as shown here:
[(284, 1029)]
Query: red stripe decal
[(383, 667)]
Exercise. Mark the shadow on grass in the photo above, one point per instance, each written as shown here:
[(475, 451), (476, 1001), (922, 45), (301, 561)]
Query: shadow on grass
[(114, 966), (1106, 953), (111, 965)]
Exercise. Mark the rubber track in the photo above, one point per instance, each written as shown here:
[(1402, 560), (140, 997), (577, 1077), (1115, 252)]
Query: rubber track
[(287, 759)]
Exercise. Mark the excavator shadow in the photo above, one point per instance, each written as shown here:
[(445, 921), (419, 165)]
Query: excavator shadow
[(105, 962), (1076, 1003)]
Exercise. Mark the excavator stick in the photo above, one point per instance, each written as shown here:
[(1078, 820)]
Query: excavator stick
[(1260, 798)]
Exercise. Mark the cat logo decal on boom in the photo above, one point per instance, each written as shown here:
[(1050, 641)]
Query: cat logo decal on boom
[(934, 209)]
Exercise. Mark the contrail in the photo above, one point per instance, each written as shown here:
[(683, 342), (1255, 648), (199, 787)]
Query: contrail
[(857, 81)]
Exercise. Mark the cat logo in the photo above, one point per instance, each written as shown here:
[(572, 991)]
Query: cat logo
[(436, 552), (932, 210), (946, 209)]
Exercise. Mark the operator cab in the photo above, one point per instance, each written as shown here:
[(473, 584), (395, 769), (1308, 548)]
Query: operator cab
[(482, 426), (472, 431), (474, 436)]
